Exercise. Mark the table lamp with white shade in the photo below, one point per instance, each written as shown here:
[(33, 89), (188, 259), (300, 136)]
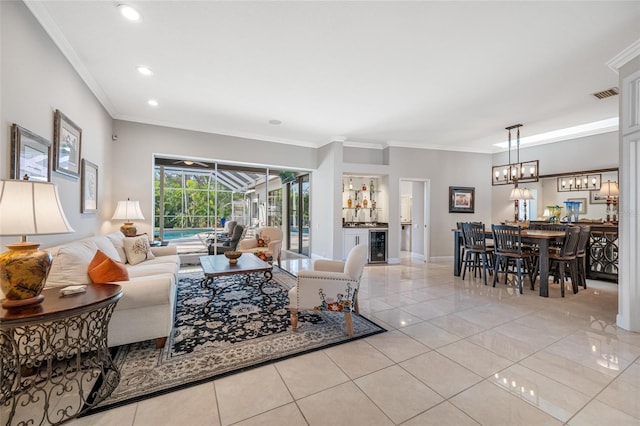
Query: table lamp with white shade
[(27, 208), (128, 211), (610, 190)]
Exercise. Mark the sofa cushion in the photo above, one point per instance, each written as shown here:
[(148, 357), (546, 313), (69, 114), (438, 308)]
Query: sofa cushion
[(137, 249), (106, 246), (150, 290), (104, 269), (147, 268), (71, 263), (117, 239)]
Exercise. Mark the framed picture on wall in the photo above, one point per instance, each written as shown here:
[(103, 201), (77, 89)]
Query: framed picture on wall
[(461, 199), (89, 184), (30, 155), (583, 204), (596, 198), (67, 141)]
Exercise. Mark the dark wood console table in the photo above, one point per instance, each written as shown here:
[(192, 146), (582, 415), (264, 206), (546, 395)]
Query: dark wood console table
[(602, 250), (54, 359)]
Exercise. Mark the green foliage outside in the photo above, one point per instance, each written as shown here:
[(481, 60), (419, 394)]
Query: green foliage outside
[(195, 206)]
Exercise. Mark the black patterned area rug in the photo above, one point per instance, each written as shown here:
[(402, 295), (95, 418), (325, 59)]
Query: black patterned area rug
[(240, 332)]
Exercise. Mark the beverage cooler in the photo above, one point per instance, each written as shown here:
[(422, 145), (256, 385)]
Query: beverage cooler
[(377, 246)]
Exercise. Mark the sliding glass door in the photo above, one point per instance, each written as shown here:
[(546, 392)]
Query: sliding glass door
[(298, 223)]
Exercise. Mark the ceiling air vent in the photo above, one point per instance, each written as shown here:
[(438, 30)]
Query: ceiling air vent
[(607, 93)]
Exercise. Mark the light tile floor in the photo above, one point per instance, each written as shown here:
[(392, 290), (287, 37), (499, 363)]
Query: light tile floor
[(457, 353)]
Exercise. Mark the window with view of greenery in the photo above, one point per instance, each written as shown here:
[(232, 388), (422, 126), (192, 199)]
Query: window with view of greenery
[(190, 201)]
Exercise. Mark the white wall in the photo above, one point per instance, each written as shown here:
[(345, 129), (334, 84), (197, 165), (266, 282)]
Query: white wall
[(36, 80), (326, 203), (137, 143), (442, 169)]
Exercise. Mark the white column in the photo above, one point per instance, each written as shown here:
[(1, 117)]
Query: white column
[(629, 229)]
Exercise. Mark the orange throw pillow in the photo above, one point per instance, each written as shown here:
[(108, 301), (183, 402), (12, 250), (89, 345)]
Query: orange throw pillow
[(103, 269)]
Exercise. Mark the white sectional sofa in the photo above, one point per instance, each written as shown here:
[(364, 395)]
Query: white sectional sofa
[(145, 310)]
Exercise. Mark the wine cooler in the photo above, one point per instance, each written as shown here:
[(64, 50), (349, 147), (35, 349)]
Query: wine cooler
[(377, 246)]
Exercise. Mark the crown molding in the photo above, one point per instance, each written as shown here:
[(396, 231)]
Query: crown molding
[(625, 56), (217, 131), (39, 10)]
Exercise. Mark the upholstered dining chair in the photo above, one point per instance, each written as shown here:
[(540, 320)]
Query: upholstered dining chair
[(331, 286)]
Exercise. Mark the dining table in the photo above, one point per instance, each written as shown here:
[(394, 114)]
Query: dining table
[(542, 238)]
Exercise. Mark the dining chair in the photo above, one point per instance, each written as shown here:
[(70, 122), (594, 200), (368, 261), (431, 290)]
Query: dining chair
[(566, 258), (581, 254), (554, 244), (509, 250), (477, 254), (462, 250)]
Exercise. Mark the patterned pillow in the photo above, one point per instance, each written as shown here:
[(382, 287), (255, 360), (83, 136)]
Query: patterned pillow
[(103, 269), (263, 241), (137, 249)]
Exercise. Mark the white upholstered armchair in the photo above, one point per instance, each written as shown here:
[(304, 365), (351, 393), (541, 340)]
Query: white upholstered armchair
[(331, 286), (272, 238)]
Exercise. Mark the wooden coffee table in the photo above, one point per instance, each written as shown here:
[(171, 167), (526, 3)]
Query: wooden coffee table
[(256, 271)]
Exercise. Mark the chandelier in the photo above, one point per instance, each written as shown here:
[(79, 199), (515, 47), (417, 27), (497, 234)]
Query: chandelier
[(580, 182), (516, 172)]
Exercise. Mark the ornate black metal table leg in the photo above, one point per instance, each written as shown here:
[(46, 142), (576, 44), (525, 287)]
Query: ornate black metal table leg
[(207, 284)]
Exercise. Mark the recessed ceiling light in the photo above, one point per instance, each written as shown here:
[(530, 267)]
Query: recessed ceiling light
[(129, 12), (144, 70), (152, 102), (275, 122)]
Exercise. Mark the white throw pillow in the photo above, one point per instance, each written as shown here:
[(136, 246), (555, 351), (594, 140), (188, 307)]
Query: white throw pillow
[(117, 239), (71, 264), (137, 249), (106, 246)]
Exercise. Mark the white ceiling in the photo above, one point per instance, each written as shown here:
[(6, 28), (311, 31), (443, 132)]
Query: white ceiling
[(449, 75)]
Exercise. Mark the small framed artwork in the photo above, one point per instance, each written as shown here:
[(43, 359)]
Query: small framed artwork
[(583, 204), (67, 141), (596, 198), (89, 184), (461, 199), (30, 155)]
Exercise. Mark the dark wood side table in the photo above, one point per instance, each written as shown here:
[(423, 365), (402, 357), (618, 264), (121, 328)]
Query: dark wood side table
[(54, 358)]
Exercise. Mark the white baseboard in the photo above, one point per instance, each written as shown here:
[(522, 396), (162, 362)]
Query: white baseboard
[(439, 259)]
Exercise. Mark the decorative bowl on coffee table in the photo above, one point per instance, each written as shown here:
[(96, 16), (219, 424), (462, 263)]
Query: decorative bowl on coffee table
[(233, 256)]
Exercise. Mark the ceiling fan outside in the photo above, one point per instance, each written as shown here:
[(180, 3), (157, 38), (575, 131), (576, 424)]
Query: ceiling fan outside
[(191, 163)]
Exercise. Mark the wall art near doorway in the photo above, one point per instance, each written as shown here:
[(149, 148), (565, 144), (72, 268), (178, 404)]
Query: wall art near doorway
[(461, 199)]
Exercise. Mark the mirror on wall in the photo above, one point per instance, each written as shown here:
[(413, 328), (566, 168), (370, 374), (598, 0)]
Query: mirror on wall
[(549, 191)]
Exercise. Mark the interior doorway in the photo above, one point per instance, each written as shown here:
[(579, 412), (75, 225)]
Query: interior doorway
[(414, 217)]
